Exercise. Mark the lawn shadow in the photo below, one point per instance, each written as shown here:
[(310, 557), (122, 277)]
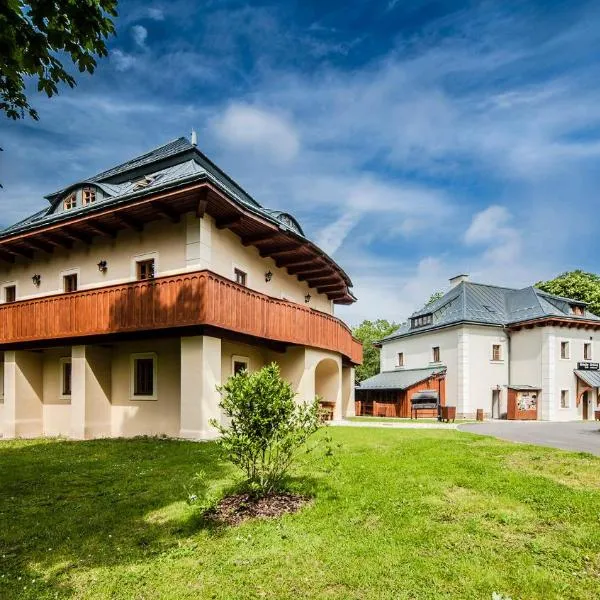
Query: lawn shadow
[(67, 505)]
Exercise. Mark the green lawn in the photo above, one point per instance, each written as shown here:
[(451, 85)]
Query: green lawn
[(401, 514)]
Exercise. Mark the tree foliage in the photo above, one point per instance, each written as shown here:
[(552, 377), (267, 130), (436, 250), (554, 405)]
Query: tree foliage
[(369, 332), (266, 426), (35, 36), (577, 285), (434, 297)]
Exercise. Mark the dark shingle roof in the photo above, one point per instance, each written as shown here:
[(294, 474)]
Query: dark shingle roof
[(470, 302), (399, 379)]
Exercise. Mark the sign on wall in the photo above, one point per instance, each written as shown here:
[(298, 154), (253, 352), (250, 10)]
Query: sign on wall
[(588, 366)]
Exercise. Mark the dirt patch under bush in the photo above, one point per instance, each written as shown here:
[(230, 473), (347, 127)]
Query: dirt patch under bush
[(235, 509)]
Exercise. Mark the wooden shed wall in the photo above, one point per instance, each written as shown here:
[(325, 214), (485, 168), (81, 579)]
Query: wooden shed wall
[(396, 403)]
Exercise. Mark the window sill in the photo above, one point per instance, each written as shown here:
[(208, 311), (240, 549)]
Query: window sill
[(143, 398), (496, 362)]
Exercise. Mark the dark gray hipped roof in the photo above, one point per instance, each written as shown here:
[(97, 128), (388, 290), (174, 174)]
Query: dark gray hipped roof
[(592, 378), (492, 305), (399, 379), (171, 164)]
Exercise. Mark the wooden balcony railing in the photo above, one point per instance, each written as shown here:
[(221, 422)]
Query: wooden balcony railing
[(197, 298)]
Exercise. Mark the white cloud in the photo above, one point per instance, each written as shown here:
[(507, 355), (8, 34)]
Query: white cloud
[(140, 35), (122, 61), (248, 128), (156, 14), (491, 228)]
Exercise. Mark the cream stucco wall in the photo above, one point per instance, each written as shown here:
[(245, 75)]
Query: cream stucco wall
[(131, 417), (418, 353), (485, 375), (57, 410), (176, 247), (189, 370)]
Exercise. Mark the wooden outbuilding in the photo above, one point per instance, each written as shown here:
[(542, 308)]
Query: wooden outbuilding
[(389, 394)]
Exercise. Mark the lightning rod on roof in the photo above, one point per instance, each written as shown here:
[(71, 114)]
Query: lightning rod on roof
[(194, 138)]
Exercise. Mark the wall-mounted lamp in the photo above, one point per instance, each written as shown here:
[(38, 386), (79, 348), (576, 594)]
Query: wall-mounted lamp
[(36, 280), (102, 266), (307, 298), (268, 276)]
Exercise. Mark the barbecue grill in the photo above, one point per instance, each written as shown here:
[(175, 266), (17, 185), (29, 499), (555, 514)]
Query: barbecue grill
[(425, 400)]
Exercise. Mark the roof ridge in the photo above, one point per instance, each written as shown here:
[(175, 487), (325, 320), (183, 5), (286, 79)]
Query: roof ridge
[(499, 287), (141, 156)]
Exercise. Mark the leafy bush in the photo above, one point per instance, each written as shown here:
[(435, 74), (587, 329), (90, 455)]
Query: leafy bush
[(267, 426)]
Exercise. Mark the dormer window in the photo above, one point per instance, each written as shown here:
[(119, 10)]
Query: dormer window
[(70, 201), (88, 196), (422, 321), (145, 181)]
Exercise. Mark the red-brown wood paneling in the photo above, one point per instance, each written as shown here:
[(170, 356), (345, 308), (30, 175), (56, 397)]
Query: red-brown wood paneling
[(197, 298), (513, 412)]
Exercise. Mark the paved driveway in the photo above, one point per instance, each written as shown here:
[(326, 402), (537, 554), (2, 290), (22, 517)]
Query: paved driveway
[(581, 436)]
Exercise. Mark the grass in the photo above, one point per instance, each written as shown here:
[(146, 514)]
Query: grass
[(400, 514)]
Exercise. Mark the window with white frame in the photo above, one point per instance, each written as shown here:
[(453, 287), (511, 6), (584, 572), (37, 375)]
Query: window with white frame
[(239, 364), (400, 359), (10, 293), (496, 352), (587, 351), (240, 276), (143, 369), (564, 399), (564, 350), (435, 351), (66, 377)]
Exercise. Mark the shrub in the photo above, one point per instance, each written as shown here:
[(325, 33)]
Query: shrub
[(267, 426)]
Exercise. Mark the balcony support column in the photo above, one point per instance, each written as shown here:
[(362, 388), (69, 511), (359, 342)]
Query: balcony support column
[(200, 376), (90, 392), (23, 394), (348, 396)]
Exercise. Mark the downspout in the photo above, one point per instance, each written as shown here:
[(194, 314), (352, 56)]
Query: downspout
[(508, 373)]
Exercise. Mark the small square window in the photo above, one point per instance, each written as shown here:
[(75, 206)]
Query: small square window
[(436, 354), (88, 196), (400, 359), (145, 269), (66, 378), (239, 364), (10, 293), (143, 376), (564, 350), (240, 276), (587, 351), (70, 282), (70, 201), (564, 398), (496, 352)]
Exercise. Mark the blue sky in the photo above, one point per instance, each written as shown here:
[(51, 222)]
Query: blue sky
[(413, 140)]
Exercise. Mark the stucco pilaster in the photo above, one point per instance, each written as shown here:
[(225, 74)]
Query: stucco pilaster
[(200, 376)]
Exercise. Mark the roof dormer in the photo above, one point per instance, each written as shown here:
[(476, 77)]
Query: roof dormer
[(79, 197)]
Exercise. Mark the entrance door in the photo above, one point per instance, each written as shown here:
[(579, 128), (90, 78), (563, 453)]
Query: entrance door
[(495, 404), (585, 401)]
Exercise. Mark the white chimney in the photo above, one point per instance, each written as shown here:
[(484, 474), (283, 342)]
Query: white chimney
[(194, 138), (457, 279)]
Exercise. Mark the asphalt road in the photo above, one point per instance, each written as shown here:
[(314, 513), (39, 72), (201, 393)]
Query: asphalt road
[(580, 436)]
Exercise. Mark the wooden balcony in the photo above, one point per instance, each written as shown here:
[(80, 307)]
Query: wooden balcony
[(197, 299)]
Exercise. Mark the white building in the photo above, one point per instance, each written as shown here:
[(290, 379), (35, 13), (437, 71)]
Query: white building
[(515, 353)]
